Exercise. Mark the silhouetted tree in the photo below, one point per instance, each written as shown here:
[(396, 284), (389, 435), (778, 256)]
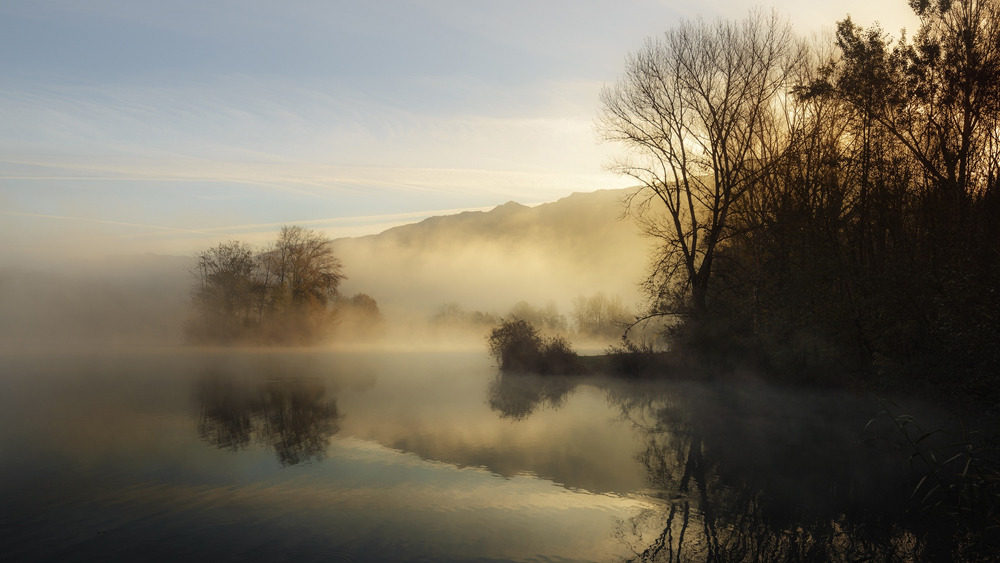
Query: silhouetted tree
[(699, 111), (517, 345), (938, 95), (855, 227)]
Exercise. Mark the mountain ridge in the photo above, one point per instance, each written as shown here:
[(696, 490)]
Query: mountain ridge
[(491, 259)]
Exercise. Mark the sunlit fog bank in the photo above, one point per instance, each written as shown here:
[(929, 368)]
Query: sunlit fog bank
[(464, 272), (570, 267)]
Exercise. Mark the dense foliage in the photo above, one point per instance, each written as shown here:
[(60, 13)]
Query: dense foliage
[(517, 346), (847, 213)]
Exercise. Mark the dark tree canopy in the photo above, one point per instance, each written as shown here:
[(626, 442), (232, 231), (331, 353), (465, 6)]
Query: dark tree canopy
[(833, 206)]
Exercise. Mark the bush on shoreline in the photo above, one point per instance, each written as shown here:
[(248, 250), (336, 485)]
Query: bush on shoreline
[(517, 346)]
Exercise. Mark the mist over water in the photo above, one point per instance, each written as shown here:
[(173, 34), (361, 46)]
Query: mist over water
[(488, 262), (545, 256), (309, 454), (304, 455), (402, 441), (120, 301)]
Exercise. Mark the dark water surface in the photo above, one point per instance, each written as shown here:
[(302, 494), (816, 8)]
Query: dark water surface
[(321, 456)]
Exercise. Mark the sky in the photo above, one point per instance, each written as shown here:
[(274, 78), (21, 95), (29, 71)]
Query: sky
[(134, 126)]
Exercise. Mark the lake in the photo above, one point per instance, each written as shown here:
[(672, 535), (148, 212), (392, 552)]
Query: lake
[(328, 456)]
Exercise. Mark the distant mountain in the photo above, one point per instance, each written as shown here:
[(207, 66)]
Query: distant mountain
[(490, 260)]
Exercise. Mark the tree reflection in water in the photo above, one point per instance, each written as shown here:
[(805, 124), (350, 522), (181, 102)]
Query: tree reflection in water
[(755, 473), (517, 395), (294, 417)]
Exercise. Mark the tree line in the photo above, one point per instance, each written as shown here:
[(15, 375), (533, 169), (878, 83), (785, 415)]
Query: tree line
[(284, 293), (823, 203)]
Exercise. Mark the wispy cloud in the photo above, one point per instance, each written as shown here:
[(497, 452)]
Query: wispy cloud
[(103, 222), (289, 138), (176, 119)]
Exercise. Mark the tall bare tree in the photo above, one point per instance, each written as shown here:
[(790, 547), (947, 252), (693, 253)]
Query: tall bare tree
[(699, 112)]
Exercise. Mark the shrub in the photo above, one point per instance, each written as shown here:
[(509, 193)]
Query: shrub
[(517, 345), (637, 359), (558, 357)]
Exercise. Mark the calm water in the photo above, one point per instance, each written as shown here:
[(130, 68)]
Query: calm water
[(319, 456)]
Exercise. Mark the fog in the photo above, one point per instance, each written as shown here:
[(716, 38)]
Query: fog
[(119, 301), (485, 263), (546, 256)]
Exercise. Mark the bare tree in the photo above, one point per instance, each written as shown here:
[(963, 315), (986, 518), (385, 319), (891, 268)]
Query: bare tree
[(600, 315), (226, 287), (700, 112), (282, 293), (305, 269)]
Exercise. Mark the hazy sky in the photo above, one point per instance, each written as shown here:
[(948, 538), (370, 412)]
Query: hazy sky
[(134, 125)]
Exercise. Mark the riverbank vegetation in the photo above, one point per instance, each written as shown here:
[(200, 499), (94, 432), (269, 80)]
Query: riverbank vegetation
[(823, 208), (284, 293), (594, 321), (518, 346)]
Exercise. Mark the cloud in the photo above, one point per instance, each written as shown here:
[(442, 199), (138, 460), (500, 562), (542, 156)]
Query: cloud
[(195, 116), (99, 221), (243, 150)]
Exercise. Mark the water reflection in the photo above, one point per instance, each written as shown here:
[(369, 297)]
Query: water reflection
[(760, 474), (748, 472), (517, 395), (294, 417), (114, 458)]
